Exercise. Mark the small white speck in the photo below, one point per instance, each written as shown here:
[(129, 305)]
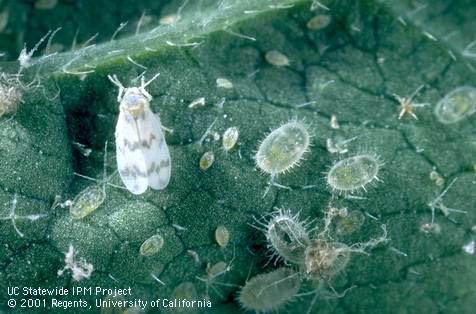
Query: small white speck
[(430, 36), (224, 83), (157, 279), (397, 251), (469, 247), (178, 227)]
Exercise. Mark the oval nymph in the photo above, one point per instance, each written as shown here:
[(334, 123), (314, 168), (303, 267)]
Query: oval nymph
[(222, 236), (286, 235), (271, 291), (152, 245), (283, 148), (319, 22), (277, 58), (354, 173), (87, 201), (207, 160), (230, 137), (456, 105)]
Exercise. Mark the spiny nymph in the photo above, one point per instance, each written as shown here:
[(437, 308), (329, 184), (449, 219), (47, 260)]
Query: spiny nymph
[(287, 236), (282, 149), (354, 173)]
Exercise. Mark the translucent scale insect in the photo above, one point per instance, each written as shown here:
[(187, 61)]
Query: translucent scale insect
[(270, 292), (152, 245), (89, 199), (143, 157), (456, 105), (230, 137), (222, 236), (282, 149)]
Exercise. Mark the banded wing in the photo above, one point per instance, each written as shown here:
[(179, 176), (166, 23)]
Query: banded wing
[(129, 154), (155, 150)]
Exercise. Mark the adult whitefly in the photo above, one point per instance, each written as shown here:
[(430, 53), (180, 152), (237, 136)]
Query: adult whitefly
[(143, 157)]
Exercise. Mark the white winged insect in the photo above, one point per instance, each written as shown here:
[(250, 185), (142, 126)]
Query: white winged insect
[(143, 157)]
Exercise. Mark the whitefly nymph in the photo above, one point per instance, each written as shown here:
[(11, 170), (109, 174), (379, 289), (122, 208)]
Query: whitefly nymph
[(152, 245), (271, 291), (10, 96), (89, 199), (283, 148), (456, 105), (286, 235), (230, 137), (324, 260), (353, 174)]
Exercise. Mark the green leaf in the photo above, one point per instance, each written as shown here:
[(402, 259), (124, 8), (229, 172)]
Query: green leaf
[(350, 69)]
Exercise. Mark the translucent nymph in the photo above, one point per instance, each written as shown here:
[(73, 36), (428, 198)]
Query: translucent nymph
[(87, 201), (185, 290), (283, 148), (271, 291), (207, 160), (318, 22), (353, 173), (152, 245), (287, 236), (456, 105), (222, 236), (277, 58), (230, 137)]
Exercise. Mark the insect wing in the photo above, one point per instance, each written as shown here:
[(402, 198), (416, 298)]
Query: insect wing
[(155, 151), (129, 154)]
